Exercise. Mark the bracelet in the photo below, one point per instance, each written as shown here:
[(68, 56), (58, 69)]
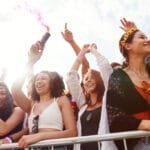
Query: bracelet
[(12, 140), (81, 54), (7, 138)]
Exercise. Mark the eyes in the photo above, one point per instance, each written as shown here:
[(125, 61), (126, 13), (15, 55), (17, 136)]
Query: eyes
[(3, 92), (42, 77), (143, 37)]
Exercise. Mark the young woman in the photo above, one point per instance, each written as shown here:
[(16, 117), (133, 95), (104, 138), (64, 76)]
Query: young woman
[(50, 112), (11, 116), (89, 97), (128, 97)]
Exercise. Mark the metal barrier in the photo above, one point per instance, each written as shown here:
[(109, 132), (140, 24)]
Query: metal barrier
[(84, 139)]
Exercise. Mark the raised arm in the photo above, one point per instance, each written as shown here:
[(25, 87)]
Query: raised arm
[(73, 80), (22, 100), (68, 37), (103, 64)]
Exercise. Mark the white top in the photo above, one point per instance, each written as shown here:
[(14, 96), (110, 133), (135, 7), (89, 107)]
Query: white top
[(51, 117), (77, 95)]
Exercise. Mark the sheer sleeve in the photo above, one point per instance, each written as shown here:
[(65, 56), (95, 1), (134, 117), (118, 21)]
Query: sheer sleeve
[(74, 86)]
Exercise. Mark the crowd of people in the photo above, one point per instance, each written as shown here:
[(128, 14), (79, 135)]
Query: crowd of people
[(114, 98)]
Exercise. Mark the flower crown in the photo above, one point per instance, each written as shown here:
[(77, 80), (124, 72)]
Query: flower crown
[(127, 34)]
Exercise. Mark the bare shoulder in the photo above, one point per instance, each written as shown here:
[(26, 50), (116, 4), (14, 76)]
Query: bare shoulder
[(63, 100), (18, 110)]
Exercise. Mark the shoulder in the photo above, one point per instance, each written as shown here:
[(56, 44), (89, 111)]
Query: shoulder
[(63, 101), (119, 79), (119, 74), (118, 71), (18, 110)]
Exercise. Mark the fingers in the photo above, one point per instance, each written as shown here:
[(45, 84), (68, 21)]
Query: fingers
[(21, 143), (62, 34), (123, 22), (66, 29), (93, 45), (65, 26), (86, 48), (37, 48)]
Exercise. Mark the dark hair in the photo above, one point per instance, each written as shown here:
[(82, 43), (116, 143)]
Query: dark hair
[(122, 48), (100, 88), (7, 107), (115, 65), (57, 85), (147, 62)]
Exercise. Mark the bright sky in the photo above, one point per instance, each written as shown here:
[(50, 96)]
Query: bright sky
[(89, 20)]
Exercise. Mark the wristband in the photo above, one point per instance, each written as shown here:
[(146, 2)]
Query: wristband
[(7, 138), (81, 54), (12, 140)]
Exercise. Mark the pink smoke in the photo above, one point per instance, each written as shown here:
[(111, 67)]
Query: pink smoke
[(36, 12)]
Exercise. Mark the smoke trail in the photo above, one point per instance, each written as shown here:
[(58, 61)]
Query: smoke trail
[(36, 12)]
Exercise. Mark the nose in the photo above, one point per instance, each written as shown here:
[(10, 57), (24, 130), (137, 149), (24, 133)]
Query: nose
[(148, 41)]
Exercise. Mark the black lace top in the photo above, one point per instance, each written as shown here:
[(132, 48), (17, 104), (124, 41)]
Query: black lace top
[(123, 100)]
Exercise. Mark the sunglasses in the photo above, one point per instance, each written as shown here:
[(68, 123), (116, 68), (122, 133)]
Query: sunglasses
[(35, 124)]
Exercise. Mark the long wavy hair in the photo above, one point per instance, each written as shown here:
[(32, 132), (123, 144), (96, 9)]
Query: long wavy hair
[(100, 88)]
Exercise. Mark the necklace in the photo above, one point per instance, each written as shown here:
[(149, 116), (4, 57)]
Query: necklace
[(89, 116), (140, 77)]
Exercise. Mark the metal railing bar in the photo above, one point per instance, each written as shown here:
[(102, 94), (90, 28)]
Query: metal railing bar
[(84, 139)]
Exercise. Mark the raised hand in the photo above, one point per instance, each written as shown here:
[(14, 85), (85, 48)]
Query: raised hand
[(35, 52), (86, 48), (126, 24), (93, 47), (67, 34)]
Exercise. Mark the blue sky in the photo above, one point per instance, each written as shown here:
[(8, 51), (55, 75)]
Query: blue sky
[(90, 21)]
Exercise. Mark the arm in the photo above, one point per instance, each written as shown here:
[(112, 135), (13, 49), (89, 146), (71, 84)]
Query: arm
[(103, 64), (12, 121), (68, 37), (73, 81), (69, 123), (14, 137), (22, 100), (18, 135)]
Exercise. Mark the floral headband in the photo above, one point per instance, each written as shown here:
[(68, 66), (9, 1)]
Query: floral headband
[(127, 34)]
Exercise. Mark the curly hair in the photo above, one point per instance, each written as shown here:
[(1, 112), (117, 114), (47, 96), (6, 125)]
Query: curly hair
[(57, 85)]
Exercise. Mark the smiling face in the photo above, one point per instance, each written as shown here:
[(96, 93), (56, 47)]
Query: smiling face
[(136, 44), (140, 44), (93, 83), (89, 82), (42, 83)]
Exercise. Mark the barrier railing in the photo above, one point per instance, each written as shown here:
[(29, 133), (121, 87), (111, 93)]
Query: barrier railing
[(83, 139)]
